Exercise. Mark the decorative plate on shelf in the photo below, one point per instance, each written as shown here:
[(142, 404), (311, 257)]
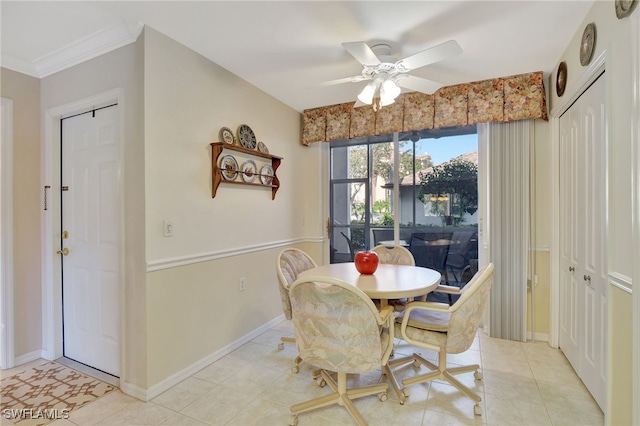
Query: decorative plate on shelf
[(249, 170), (266, 174), (625, 7), (262, 147), (246, 136), (229, 167), (561, 78), (226, 135), (587, 44)]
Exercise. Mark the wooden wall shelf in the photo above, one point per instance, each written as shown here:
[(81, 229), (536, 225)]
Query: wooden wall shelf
[(216, 150)]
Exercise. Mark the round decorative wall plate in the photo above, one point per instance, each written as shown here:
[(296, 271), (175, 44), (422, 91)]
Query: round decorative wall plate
[(246, 136), (249, 171), (561, 79), (262, 147), (266, 174), (588, 44), (226, 135), (625, 7), (229, 167)]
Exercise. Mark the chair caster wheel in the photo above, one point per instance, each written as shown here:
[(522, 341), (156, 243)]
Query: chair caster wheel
[(295, 369), (416, 364), (478, 375), (477, 410), (293, 421), (321, 382), (383, 397), (406, 393), (280, 346)]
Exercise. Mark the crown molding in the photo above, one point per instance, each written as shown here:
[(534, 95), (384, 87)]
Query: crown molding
[(96, 44), (18, 65)]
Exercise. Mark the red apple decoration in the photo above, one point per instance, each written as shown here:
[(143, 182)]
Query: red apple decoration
[(366, 262)]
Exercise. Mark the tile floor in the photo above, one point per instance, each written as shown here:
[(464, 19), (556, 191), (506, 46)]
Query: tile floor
[(524, 384)]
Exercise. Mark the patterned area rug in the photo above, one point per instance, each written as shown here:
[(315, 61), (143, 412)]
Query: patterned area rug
[(42, 394)]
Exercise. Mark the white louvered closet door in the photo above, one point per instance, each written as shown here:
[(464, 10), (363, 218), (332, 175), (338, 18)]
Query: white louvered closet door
[(583, 266)]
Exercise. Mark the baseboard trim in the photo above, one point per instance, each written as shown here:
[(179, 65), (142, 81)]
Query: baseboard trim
[(174, 379), (28, 357), (539, 337)]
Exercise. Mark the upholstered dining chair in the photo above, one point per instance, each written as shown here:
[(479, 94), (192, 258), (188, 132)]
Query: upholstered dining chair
[(339, 330), (289, 264), (446, 329), (394, 254)]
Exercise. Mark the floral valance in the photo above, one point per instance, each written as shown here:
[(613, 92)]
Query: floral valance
[(504, 99)]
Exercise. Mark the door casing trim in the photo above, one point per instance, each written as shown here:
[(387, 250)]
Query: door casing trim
[(52, 347), (7, 353)]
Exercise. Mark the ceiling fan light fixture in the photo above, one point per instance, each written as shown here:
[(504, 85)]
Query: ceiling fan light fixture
[(366, 96), (389, 91)]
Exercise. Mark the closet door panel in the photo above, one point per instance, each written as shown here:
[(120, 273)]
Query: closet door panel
[(570, 324), (592, 261)]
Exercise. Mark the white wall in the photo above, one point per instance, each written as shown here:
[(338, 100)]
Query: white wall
[(614, 41)]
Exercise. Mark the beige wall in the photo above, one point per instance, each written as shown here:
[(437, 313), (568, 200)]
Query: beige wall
[(614, 37), (175, 102), (27, 205), (541, 305), (541, 211), (621, 397), (121, 68), (196, 309)]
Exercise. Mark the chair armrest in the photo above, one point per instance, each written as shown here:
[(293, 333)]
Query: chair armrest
[(427, 306), (448, 289)]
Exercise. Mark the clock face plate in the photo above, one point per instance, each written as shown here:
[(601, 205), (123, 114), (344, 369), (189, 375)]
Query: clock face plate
[(246, 137)]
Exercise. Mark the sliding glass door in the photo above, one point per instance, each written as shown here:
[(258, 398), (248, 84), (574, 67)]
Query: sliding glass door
[(435, 176)]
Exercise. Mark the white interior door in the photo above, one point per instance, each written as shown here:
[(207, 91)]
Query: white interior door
[(569, 333), (583, 266), (593, 266), (91, 223)]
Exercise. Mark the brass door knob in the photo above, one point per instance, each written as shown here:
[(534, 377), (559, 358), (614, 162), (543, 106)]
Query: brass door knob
[(64, 251)]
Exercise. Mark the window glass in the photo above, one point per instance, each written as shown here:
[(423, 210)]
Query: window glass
[(436, 205)]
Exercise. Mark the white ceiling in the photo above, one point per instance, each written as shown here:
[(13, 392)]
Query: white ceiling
[(286, 48)]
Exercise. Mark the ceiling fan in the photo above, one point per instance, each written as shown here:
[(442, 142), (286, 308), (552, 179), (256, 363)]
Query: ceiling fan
[(387, 74)]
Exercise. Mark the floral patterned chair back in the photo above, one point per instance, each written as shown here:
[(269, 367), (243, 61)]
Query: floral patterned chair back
[(289, 264), (468, 309), (338, 328), (447, 330), (394, 254)]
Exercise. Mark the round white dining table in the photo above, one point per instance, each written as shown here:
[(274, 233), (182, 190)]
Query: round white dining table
[(388, 282)]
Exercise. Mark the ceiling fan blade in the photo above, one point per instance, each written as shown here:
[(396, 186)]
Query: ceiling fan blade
[(352, 79), (362, 52), (418, 84), (434, 54)]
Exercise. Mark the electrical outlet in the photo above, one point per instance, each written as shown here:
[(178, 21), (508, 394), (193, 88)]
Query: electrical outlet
[(168, 228), (242, 285)]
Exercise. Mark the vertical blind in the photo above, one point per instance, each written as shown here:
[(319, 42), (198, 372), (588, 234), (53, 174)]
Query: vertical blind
[(508, 224)]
